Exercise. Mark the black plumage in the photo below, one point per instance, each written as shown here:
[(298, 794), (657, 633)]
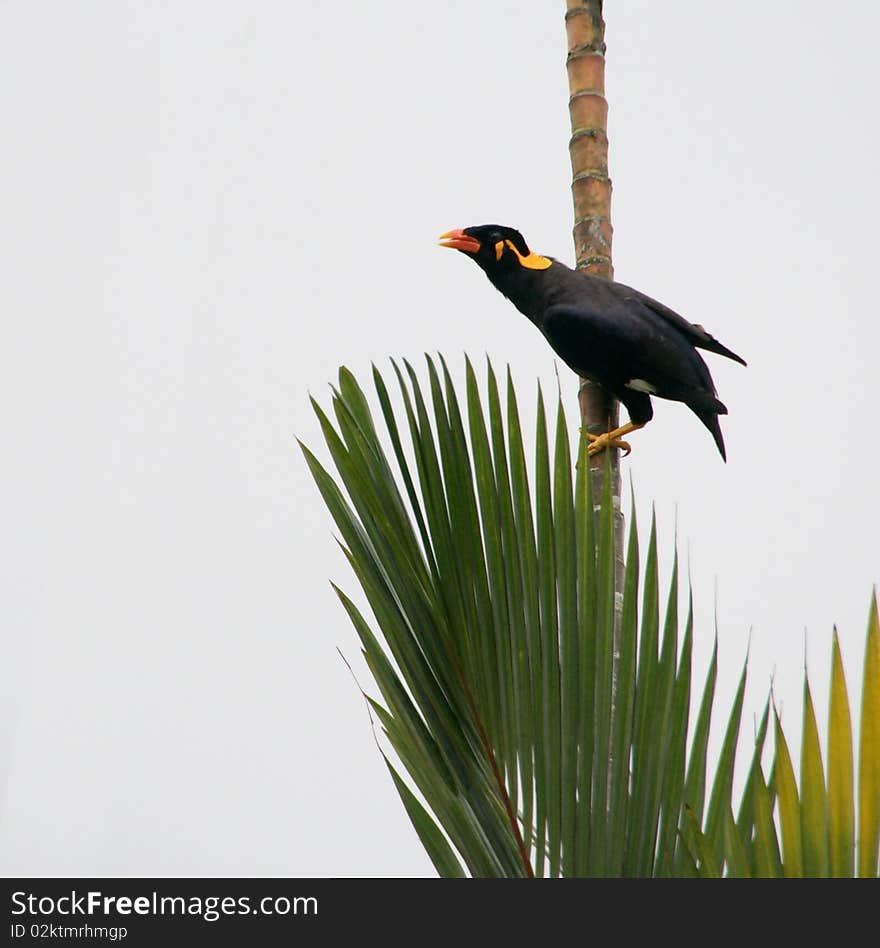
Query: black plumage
[(630, 344)]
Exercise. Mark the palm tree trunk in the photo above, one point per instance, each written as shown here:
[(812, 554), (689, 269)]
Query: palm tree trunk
[(591, 194)]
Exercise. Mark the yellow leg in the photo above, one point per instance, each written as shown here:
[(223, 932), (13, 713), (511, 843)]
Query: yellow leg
[(611, 439)]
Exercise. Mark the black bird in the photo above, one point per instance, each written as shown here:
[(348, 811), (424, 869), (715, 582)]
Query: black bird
[(633, 346)]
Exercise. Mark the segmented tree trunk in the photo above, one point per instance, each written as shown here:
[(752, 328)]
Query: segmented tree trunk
[(591, 194)]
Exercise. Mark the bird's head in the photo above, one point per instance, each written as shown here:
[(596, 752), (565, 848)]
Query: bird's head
[(498, 250)]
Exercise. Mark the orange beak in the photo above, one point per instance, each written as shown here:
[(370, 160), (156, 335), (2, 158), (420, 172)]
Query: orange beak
[(459, 240)]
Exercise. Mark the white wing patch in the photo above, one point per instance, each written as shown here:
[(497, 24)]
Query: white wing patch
[(640, 385)]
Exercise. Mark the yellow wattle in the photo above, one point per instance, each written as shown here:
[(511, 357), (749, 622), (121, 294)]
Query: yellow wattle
[(533, 261)]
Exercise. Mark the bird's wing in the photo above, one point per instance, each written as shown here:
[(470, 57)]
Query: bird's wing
[(693, 332), (619, 342)]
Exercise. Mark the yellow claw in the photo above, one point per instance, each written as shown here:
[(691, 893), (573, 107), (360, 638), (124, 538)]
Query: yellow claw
[(610, 439), (601, 442)]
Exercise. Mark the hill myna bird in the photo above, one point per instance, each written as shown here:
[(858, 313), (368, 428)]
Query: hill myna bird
[(628, 343)]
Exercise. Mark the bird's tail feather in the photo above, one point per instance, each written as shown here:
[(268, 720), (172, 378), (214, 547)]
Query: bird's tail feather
[(710, 420)]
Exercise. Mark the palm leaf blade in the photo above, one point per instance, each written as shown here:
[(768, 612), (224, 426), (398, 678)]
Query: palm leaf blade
[(841, 798), (869, 751), (814, 801)]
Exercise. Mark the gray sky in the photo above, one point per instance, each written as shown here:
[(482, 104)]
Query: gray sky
[(208, 207)]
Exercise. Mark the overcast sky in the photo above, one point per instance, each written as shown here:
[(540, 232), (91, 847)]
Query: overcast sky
[(207, 207)]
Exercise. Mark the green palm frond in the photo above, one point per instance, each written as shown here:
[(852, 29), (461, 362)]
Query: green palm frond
[(814, 833), (491, 583), (783, 831)]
